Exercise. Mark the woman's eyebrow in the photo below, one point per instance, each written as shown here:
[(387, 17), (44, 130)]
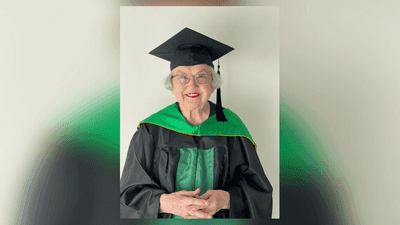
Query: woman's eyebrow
[(180, 72), (201, 71)]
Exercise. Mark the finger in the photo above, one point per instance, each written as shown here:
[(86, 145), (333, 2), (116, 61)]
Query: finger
[(200, 214), (193, 217), (209, 192), (196, 192), (210, 210), (193, 208), (206, 195), (196, 201), (190, 193), (203, 197), (190, 217)]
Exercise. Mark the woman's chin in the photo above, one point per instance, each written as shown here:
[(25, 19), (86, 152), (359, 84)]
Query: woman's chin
[(193, 105)]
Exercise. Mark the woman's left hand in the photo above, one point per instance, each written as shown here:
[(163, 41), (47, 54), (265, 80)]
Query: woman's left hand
[(218, 199)]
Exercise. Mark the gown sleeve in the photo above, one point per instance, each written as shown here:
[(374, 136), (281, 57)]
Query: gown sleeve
[(250, 191), (139, 190)]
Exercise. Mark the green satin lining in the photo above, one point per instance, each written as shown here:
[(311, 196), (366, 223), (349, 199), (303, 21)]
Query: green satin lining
[(172, 119), (195, 170)]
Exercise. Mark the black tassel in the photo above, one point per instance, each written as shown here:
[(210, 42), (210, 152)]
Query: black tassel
[(220, 114)]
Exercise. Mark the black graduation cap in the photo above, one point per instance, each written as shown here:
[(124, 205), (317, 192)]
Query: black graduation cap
[(189, 48)]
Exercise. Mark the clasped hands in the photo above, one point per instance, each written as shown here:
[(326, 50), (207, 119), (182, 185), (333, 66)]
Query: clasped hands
[(189, 204)]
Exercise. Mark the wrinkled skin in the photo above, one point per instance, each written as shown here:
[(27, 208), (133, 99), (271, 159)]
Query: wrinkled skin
[(190, 205), (184, 203), (195, 110), (217, 200)]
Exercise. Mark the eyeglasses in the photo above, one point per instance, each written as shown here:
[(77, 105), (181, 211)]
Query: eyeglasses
[(200, 79)]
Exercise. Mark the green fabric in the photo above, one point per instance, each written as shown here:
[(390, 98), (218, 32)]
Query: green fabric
[(172, 119), (195, 170)]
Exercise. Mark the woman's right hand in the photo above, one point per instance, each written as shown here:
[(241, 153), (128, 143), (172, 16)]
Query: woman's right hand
[(185, 204)]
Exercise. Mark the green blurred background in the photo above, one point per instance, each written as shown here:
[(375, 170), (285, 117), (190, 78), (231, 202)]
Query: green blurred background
[(339, 123)]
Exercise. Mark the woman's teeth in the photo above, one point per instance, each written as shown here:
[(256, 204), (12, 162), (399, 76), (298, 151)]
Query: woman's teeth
[(193, 95)]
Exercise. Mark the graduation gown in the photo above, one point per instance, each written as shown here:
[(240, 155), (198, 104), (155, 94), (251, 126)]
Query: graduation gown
[(167, 154)]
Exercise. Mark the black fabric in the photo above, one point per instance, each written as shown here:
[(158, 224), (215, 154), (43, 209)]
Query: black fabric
[(189, 48), (151, 166), (190, 55)]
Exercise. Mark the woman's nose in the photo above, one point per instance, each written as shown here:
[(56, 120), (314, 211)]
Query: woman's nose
[(192, 81)]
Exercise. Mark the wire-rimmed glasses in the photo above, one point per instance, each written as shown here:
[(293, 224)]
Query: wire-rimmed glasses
[(200, 79)]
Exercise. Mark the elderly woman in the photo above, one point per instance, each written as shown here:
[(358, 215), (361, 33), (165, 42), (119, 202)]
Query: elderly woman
[(193, 159)]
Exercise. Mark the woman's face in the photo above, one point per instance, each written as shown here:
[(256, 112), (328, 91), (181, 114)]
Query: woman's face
[(192, 96)]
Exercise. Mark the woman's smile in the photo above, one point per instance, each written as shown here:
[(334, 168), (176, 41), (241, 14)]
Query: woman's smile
[(192, 95)]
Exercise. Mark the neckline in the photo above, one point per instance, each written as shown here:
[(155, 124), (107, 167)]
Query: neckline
[(212, 109)]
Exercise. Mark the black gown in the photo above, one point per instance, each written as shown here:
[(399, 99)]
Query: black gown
[(152, 163)]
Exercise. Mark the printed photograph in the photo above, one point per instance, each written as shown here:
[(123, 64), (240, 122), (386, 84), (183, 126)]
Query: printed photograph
[(199, 113)]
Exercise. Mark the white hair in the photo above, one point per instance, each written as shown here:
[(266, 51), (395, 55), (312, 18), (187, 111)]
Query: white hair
[(217, 81)]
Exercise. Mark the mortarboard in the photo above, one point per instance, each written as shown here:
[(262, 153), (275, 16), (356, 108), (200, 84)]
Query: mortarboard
[(189, 48)]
